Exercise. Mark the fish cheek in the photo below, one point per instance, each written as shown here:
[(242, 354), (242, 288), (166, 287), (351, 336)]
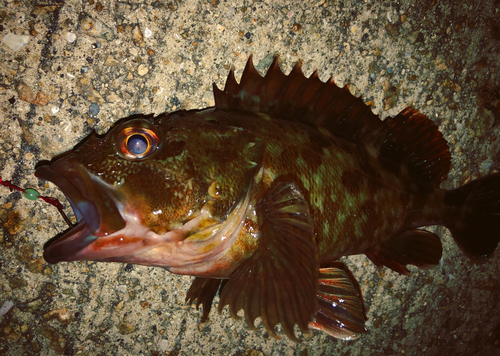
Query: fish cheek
[(167, 206), (164, 190)]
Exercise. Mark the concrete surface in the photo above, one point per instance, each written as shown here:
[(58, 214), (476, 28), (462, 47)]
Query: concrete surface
[(154, 56)]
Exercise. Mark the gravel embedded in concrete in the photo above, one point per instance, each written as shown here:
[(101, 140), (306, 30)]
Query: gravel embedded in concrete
[(129, 57)]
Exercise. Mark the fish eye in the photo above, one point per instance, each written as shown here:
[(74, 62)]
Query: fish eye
[(137, 140), (137, 144)]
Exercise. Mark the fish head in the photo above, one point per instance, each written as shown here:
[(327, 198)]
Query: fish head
[(134, 191)]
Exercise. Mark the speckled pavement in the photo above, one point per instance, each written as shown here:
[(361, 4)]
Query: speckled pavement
[(87, 64)]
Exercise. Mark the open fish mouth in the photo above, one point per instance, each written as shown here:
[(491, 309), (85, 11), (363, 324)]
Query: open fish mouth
[(93, 202)]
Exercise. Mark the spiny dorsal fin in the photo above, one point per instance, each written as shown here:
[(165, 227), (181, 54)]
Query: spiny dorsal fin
[(296, 97), (409, 139)]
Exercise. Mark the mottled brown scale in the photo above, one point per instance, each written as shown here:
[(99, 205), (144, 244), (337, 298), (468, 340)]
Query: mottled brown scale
[(352, 180), (318, 171), (358, 161)]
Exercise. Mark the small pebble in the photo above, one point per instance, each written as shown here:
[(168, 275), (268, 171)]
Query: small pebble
[(142, 70), (94, 109), (111, 62), (136, 34), (6, 307), (71, 37), (482, 122), (15, 41), (126, 328), (119, 306)]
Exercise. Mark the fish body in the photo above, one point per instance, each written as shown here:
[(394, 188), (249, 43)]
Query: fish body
[(259, 196)]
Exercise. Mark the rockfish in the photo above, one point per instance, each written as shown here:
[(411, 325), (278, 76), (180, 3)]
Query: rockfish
[(259, 196)]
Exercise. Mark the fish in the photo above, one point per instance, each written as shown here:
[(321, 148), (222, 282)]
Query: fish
[(259, 197)]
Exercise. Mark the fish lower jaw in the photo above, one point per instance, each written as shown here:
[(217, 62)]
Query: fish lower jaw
[(198, 254), (198, 247), (138, 244)]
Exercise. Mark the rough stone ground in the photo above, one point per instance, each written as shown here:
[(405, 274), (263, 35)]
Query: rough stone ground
[(154, 56)]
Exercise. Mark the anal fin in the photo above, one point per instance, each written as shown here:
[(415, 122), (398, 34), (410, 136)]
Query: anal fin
[(340, 312), (414, 247)]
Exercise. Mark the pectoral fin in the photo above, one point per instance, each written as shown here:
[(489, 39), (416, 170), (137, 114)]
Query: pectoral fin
[(203, 290), (340, 305), (280, 280)]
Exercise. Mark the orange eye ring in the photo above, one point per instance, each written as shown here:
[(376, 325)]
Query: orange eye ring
[(137, 142)]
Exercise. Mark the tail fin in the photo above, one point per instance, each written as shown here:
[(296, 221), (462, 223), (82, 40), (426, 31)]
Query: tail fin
[(477, 229)]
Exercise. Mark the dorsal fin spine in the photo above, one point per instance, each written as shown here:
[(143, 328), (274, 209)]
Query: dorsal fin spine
[(409, 138)]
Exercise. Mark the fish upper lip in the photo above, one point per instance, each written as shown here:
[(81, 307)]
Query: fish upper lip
[(93, 204)]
